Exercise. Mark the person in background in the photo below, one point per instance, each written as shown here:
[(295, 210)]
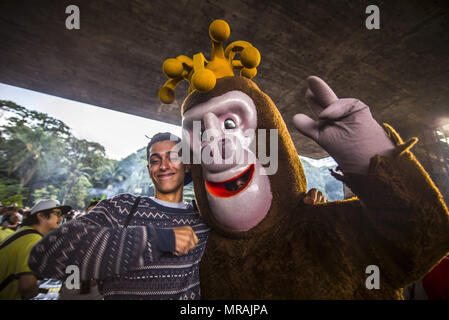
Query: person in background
[(9, 228), (9, 213), (17, 281)]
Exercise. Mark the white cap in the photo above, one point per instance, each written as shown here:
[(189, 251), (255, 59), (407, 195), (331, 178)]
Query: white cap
[(42, 205)]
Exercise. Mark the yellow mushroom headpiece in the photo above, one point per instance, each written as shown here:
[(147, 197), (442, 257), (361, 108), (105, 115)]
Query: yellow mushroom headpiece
[(202, 74)]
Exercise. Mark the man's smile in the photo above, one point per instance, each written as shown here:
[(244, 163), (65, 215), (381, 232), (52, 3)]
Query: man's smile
[(165, 176)]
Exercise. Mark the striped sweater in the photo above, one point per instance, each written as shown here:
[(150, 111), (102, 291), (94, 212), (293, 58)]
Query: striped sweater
[(132, 263)]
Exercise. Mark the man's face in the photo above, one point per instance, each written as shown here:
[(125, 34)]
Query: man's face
[(165, 167), (53, 221)]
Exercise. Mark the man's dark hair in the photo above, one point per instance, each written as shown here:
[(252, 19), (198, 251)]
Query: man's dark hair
[(161, 136), (12, 208), (32, 218)]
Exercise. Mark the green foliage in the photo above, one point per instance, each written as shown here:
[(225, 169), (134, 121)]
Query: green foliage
[(40, 158), (47, 192), (33, 119), (128, 175), (79, 191), (11, 193)]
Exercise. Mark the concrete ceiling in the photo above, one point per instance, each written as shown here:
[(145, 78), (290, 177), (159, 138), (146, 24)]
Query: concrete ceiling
[(115, 59)]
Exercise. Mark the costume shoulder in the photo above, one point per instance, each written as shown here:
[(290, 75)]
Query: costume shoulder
[(400, 218)]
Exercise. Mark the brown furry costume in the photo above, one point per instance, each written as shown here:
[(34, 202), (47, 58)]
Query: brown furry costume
[(296, 251), (400, 224)]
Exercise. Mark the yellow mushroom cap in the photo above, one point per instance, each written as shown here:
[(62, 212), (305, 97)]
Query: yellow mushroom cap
[(204, 80), (172, 68), (219, 30), (166, 95), (250, 57)]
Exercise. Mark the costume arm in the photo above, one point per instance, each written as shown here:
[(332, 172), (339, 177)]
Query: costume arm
[(97, 244), (406, 220)]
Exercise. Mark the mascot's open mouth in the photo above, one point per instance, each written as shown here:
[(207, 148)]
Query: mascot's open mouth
[(233, 186)]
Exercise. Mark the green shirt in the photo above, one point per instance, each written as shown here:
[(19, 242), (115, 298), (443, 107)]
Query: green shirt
[(5, 233), (14, 261)]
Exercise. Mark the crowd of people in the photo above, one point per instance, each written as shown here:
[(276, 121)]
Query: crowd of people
[(21, 229)]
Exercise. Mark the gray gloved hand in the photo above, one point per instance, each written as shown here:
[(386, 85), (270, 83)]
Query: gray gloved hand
[(345, 128)]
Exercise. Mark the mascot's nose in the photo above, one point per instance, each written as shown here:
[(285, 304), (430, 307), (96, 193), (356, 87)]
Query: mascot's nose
[(226, 148), (221, 154)]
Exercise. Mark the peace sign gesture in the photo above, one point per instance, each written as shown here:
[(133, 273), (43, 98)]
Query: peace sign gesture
[(345, 128)]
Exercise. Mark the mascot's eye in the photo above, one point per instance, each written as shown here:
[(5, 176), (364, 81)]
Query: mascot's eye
[(229, 124)]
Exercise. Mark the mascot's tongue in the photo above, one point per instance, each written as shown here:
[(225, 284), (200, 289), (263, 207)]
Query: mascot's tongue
[(232, 186)]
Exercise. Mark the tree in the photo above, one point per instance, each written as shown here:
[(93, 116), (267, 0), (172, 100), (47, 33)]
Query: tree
[(79, 191), (48, 192), (41, 158), (24, 149), (11, 192)]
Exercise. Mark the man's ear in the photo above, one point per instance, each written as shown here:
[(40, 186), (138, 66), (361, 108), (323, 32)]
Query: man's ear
[(188, 168), (40, 217)]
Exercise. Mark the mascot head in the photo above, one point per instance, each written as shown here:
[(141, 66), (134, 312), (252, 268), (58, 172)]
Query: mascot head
[(229, 126)]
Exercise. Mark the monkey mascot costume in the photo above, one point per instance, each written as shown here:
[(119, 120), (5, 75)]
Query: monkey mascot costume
[(265, 243)]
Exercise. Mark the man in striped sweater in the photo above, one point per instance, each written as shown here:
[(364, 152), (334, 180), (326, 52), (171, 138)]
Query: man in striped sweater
[(156, 257)]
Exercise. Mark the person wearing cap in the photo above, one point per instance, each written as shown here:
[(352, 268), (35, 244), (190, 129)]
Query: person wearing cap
[(9, 221), (17, 281)]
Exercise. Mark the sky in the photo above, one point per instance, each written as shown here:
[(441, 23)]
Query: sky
[(120, 133)]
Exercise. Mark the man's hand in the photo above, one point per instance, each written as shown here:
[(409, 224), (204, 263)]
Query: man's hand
[(314, 197), (185, 240), (345, 128)]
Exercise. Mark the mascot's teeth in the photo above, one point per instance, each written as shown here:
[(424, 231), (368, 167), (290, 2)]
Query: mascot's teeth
[(238, 183), (232, 186)]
